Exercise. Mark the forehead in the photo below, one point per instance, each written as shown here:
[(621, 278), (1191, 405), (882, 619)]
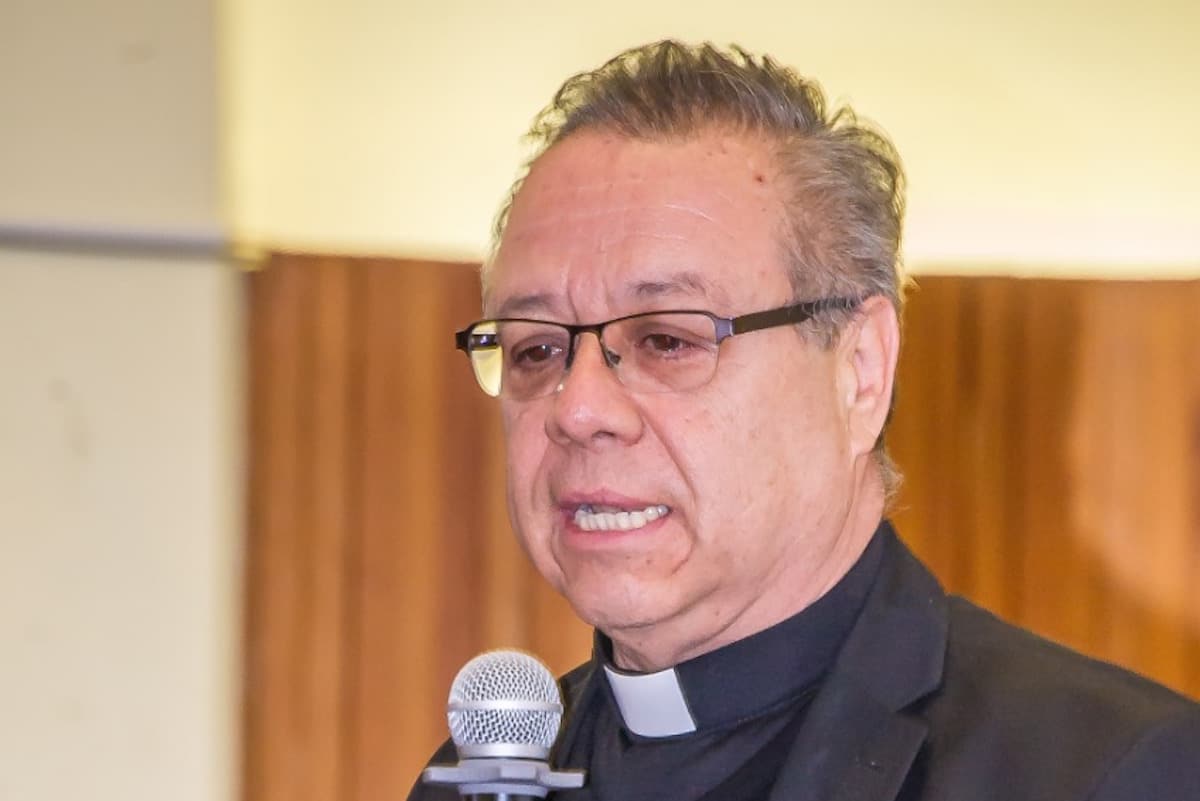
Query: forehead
[(610, 224)]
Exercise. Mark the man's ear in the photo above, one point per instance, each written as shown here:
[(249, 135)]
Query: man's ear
[(867, 354)]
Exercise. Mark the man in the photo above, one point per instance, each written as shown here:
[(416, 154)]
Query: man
[(692, 333)]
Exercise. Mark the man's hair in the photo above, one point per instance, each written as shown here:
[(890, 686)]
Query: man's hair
[(844, 203)]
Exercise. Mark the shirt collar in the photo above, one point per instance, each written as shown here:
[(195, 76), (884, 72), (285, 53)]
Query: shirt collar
[(746, 678)]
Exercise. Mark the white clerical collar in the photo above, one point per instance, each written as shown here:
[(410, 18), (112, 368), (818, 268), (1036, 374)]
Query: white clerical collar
[(651, 704), (745, 678)]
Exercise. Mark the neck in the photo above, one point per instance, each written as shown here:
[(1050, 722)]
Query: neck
[(798, 583)]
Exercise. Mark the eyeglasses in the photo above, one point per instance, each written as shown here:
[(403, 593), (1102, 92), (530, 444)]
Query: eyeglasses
[(651, 352)]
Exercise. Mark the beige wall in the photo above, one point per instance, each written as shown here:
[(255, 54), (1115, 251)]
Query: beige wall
[(119, 601), (109, 116), (120, 504), (1047, 136)]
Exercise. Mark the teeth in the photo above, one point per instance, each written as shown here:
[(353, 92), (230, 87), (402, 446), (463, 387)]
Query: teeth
[(609, 518)]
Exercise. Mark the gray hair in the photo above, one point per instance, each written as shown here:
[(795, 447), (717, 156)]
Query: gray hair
[(845, 207)]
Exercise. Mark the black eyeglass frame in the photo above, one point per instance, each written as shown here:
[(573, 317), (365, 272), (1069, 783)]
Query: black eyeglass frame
[(724, 327)]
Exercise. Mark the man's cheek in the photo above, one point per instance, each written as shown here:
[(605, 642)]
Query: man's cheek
[(524, 460), (523, 442), (520, 420)]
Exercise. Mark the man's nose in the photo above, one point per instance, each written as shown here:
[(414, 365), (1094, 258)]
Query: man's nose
[(590, 405)]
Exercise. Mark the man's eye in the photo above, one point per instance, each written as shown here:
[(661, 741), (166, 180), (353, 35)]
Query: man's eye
[(534, 355), (666, 344)]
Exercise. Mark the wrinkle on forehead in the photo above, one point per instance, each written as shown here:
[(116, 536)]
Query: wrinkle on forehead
[(692, 210)]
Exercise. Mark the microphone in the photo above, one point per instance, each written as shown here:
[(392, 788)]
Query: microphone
[(504, 712)]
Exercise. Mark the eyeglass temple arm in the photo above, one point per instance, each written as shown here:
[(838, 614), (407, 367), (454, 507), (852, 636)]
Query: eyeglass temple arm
[(798, 313)]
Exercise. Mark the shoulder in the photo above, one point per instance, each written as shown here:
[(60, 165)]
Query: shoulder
[(1051, 722), (1008, 670)]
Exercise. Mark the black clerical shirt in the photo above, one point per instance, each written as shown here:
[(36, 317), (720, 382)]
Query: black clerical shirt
[(730, 716)]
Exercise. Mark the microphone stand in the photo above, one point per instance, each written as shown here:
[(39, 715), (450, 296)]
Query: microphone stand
[(492, 779)]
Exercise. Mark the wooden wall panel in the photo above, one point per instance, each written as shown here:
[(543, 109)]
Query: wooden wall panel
[(380, 557), (1049, 431), (1050, 436)]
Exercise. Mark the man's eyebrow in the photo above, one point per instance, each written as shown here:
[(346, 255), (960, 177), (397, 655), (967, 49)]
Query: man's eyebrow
[(686, 283)]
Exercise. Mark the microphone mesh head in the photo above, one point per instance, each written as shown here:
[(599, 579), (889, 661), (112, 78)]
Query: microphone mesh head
[(507, 699)]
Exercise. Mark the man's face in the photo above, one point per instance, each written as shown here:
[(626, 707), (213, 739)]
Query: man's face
[(755, 467)]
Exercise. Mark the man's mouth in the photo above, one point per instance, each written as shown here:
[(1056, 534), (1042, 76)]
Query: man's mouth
[(596, 517)]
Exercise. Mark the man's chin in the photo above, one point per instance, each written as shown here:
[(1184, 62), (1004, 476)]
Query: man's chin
[(619, 614)]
